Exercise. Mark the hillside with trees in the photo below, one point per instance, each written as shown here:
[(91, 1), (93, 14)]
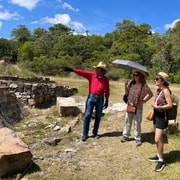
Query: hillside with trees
[(46, 51)]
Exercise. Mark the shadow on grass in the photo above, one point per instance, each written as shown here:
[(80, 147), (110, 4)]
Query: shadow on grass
[(149, 137), (172, 156), (112, 134), (31, 168)]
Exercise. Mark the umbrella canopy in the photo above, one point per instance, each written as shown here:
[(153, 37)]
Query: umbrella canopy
[(129, 65)]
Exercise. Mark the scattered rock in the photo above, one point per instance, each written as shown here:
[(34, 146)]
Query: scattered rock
[(53, 141)]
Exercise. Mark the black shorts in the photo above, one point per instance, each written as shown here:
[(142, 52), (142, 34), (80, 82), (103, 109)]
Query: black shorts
[(160, 119)]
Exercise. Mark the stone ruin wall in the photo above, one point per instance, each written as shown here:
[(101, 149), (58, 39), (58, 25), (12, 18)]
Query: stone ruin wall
[(16, 93)]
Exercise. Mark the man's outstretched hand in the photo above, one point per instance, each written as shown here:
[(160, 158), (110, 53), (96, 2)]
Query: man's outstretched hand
[(67, 69), (105, 104)]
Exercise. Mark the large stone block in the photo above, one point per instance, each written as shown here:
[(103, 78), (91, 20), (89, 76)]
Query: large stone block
[(67, 106), (14, 153)]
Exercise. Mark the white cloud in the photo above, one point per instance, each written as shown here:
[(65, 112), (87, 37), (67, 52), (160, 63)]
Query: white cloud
[(172, 25), (28, 4), (1, 24), (6, 15), (68, 6), (59, 18), (64, 19), (77, 26)]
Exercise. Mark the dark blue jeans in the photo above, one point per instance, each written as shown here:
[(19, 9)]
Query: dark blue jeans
[(91, 103)]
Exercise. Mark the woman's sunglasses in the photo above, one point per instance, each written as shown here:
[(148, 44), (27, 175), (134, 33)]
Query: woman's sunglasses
[(157, 79), (135, 75)]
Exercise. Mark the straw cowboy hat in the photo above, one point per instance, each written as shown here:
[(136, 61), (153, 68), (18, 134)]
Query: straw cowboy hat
[(164, 76), (101, 65)]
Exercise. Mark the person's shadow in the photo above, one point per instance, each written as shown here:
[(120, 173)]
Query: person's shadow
[(149, 137), (31, 168), (112, 134), (172, 156)]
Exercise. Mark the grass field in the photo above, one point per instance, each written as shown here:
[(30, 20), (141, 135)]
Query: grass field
[(103, 159)]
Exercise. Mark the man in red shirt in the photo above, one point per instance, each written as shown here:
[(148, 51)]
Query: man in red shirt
[(99, 92)]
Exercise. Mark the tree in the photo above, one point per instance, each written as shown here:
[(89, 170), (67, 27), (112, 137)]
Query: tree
[(60, 29), (21, 34), (8, 50), (173, 45), (108, 40), (44, 45), (5, 48), (131, 40), (38, 32), (167, 55), (26, 51), (73, 45)]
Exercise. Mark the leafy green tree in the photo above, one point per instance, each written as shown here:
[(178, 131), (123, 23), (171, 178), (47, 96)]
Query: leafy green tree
[(173, 46), (38, 33), (60, 29), (8, 50), (5, 48), (44, 45), (73, 45), (166, 55), (131, 41), (14, 51), (97, 43), (108, 40), (26, 52), (21, 34)]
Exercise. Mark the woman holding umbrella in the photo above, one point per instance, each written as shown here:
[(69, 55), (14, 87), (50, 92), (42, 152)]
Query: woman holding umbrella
[(138, 93)]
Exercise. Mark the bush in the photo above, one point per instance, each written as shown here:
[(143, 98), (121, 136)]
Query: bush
[(113, 76), (174, 78)]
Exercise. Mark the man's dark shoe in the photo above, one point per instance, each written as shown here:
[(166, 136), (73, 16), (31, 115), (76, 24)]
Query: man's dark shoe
[(160, 166), (154, 159), (84, 138), (124, 139), (95, 136)]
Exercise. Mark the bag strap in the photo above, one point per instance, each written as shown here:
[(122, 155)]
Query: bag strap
[(158, 96)]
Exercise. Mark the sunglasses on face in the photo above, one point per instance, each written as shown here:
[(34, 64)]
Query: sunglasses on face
[(157, 79), (135, 75)]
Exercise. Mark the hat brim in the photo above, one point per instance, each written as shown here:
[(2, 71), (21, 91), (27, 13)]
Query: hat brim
[(142, 72), (100, 67)]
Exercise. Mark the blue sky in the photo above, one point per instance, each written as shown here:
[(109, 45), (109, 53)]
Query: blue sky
[(98, 17)]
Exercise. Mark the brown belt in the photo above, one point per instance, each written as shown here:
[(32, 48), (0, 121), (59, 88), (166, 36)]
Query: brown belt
[(96, 96)]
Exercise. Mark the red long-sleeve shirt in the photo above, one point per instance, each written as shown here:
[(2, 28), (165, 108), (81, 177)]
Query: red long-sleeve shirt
[(97, 86)]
